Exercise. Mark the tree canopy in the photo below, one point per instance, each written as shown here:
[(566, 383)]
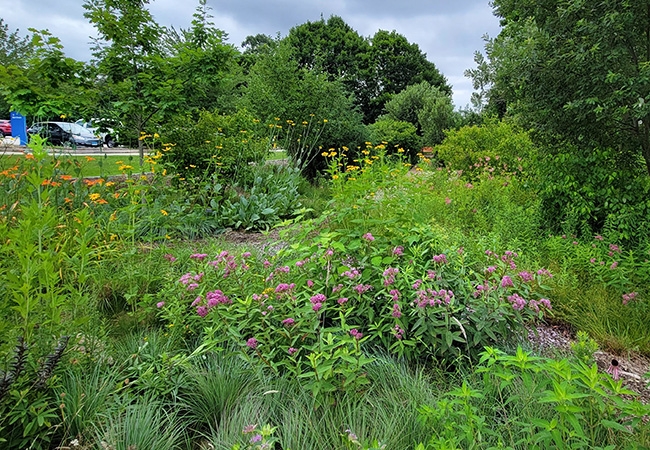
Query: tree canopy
[(577, 72)]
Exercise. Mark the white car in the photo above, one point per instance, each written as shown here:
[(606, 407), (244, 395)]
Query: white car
[(108, 137)]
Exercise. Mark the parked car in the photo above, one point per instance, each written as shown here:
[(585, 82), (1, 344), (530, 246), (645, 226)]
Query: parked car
[(65, 134), (109, 136), (5, 128)]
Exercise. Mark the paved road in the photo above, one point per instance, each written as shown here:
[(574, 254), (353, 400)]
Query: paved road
[(8, 149)]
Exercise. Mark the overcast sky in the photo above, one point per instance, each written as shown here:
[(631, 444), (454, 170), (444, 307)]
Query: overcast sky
[(448, 31)]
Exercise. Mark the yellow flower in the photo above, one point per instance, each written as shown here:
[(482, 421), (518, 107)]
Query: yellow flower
[(125, 167), (113, 216), (163, 212), (62, 116), (324, 154), (94, 196), (156, 135), (325, 120), (400, 150), (335, 177)]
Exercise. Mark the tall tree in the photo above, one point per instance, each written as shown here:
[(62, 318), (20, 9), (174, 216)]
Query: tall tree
[(46, 83), (396, 64), (371, 69), (204, 63), (130, 64), (579, 71), (15, 51)]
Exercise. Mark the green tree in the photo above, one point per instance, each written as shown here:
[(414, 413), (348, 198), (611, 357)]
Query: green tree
[(373, 70), (579, 72), (278, 87), (136, 89), (395, 65), (47, 84), (204, 63), (253, 47), (426, 107)]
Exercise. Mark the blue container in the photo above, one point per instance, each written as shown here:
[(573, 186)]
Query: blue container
[(18, 127)]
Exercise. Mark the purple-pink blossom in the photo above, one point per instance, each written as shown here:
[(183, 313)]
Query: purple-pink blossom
[(368, 237), (292, 350), (629, 297), (342, 300), (169, 257), (199, 256), (506, 281), (440, 259), (517, 301), (362, 288), (288, 321), (398, 251), (397, 312), (252, 343), (356, 334), (526, 277), (160, 304), (202, 311)]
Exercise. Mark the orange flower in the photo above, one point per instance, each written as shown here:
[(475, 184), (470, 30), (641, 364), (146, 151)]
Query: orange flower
[(67, 200), (89, 158), (66, 177), (101, 201), (29, 156)]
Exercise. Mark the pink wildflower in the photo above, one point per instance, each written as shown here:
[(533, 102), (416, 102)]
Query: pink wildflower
[(292, 350), (368, 237), (169, 257), (199, 256), (342, 300), (202, 311), (160, 304), (288, 321), (506, 281), (252, 343), (398, 251), (356, 334)]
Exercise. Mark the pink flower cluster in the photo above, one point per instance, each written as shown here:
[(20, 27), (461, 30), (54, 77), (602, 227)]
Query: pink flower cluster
[(285, 287), (389, 275), (629, 297), (399, 332), (368, 237), (363, 288), (526, 277), (351, 273), (317, 301), (356, 334), (517, 301), (229, 262), (397, 312), (535, 304), (431, 297), (440, 259)]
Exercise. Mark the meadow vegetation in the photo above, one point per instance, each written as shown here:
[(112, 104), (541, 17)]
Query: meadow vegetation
[(387, 276)]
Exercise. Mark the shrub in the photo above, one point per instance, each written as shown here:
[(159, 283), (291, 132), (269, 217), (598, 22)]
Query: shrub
[(497, 147), (396, 134), (214, 143)]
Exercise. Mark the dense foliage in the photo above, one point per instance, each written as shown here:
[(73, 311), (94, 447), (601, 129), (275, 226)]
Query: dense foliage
[(401, 264)]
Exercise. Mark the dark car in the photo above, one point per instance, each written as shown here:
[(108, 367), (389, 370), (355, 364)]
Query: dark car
[(65, 134), (5, 128)]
